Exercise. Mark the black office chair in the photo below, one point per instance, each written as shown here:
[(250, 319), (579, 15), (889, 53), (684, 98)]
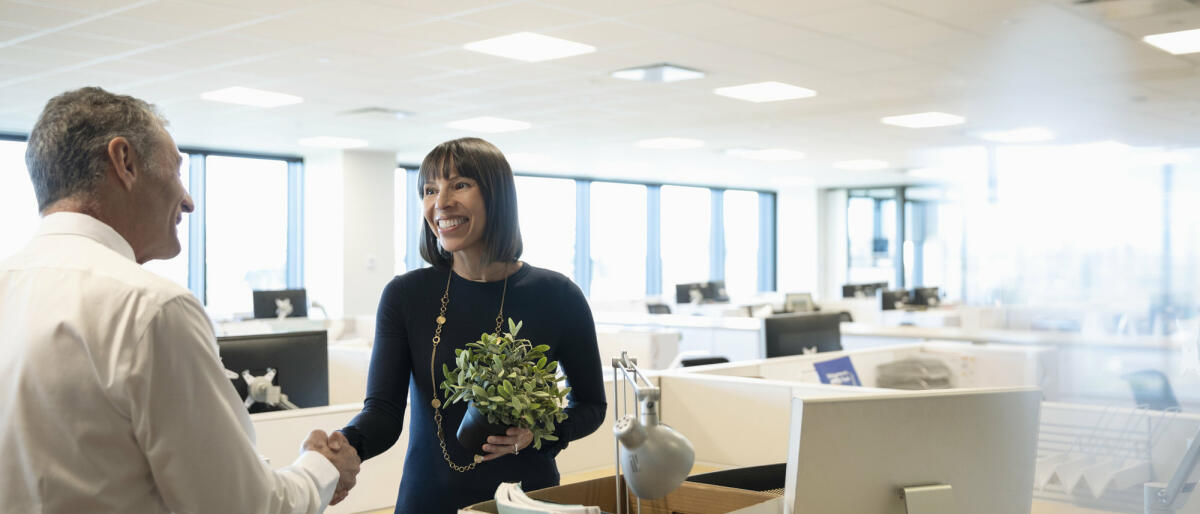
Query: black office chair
[(1152, 389), (771, 477), (700, 361), (658, 308), (801, 333)]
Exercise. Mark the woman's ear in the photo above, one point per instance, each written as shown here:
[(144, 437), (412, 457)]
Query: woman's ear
[(122, 159)]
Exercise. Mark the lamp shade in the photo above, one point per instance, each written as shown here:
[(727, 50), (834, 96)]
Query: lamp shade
[(655, 458)]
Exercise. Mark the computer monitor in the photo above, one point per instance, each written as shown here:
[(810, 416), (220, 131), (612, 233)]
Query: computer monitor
[(893, 299), (658, 308), (868, 290), (300, 361), (701, 292), (925, 297), (689, 293), (797, 302), (802, 333), (859, 453), (270, 304), (714, 291)]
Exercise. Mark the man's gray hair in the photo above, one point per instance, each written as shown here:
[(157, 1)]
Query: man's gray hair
[(68, 147)]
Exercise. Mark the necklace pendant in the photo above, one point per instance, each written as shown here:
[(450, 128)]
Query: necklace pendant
[(441, 320), (436, 403), (478, 459)]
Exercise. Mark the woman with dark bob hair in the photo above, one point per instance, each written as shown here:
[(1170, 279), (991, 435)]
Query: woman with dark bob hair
[(473, 240)]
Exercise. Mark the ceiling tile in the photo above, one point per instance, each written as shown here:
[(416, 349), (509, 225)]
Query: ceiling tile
[(39, 16), (856, 20), (131, 29), (694, 19), (523, 17), (191, 15)]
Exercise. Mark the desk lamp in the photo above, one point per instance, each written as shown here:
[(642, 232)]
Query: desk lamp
[(655, 457), (1170, 496)]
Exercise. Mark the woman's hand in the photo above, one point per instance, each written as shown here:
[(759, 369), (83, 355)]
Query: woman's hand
[(500, 445)]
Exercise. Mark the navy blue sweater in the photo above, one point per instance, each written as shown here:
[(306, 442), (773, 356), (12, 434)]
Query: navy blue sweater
[(554, 312)]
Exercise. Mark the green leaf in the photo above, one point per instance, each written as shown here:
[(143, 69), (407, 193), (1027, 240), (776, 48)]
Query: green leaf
[(549, 437), (541, 348), (479, 391), (496, 398)]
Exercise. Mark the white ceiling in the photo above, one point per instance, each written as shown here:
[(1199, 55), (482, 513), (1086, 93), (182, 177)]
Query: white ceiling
[(1080, 70)]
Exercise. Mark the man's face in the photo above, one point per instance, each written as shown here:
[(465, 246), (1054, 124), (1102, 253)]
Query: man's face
[(162, 201)]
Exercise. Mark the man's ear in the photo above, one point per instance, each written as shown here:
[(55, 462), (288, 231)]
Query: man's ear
[(122, 159)]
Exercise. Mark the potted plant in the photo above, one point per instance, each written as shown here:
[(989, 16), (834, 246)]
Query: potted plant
[(506, 382)]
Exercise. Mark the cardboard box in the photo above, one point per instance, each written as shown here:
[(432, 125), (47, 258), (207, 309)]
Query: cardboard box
[(689, 498)]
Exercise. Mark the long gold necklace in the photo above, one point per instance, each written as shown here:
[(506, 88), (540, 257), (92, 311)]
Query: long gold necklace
[(437, 338)]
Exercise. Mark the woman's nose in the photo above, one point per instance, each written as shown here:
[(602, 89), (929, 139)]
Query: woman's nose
[(443, 198)]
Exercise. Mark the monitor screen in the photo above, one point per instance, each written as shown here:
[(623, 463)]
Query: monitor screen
[(868, 290), (284, 303), (799, 334), (689, 293), (894, 299), (714, 291), (859, 453), (300, 361), (926, 297)]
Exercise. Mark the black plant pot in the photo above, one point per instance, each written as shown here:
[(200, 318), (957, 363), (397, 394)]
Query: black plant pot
[(473, 432)]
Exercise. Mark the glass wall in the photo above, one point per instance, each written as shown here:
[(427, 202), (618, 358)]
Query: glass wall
[(547, 215), (686, 230), (871, 232), (741, 242), (246, 230), (618, 240), (18, 206)]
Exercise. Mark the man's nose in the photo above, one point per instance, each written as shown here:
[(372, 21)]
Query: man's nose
[(188, 205)]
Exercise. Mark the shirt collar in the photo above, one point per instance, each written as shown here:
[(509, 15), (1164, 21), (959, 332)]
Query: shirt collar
[(74, 223)]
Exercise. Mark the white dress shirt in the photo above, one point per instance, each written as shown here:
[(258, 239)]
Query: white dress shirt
[(112, 394)]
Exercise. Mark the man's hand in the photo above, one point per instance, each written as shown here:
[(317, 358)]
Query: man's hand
[(343, 457)]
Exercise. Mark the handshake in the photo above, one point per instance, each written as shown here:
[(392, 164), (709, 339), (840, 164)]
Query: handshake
[(344, 457)]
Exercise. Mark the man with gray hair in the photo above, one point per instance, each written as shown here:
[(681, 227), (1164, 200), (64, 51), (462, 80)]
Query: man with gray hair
[(112, 394)]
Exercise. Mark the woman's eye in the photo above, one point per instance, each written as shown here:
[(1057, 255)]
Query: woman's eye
[(462, 185), (430, 191)]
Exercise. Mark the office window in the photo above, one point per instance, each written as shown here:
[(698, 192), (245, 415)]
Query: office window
[(400, 196), (871, 230), (247, 230), (176, 268), (546, 209), (686, 229), (741, 242), (18, 206), (618, 240)]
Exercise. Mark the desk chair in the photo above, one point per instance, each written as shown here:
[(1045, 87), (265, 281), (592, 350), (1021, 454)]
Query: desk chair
[(658, 308), (1152, 389), (768, 478), (701, 361)]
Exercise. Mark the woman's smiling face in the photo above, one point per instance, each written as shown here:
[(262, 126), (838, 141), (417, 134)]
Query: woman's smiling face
[(455, 211)]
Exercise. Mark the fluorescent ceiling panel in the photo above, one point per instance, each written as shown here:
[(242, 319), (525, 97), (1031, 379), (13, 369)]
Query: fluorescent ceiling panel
[(766, 154), (1020, 135), (1177, 43), (489, 124), (861, 165), (529, 47), (924, 120), (332, 142), (670, 143), (765, 92), (250, 96)]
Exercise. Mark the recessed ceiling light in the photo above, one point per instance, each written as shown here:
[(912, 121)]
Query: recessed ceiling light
[(765, 92), (766, 154), (861, 165), (923, 120), (662, 72), (249, 96), (1020, 135), (529, 47), (489, 124), (670, 143), (1177, 43), (332, 142)]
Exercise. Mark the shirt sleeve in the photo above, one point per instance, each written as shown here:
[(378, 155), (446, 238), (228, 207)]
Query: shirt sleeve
[(375, 429), (196, 434), (579, 358)]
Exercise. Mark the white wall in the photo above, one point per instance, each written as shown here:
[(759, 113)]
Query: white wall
[(832, 242), (797, 244), (349, 216)]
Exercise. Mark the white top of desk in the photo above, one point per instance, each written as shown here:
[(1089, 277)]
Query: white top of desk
[(1014, 336)]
